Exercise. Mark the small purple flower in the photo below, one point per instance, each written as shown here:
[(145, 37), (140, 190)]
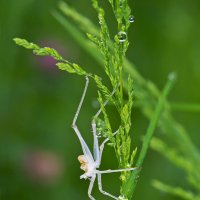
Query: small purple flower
[(46, 62), (42, 166)]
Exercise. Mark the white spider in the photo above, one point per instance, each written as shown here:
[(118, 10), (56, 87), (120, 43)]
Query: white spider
[(90, 164)]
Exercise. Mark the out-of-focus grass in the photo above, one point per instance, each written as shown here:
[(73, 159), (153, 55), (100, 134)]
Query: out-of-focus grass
[(37, 105)]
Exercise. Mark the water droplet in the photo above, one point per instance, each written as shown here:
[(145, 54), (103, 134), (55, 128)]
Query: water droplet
[(131, 19), (172, 76), (122, 36)]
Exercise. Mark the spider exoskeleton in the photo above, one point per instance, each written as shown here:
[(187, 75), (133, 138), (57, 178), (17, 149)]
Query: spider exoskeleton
[(90, 163)]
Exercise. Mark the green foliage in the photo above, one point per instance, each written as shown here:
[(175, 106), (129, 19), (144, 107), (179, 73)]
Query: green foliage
[(186, 107), (113, 63), (146, 94), (47, 51), (78, 18), (131, 183), (121, 74), (188, 165), (101, 86), (176, 191), (24, 43), (101, 127), (106, 125), (71, 68)]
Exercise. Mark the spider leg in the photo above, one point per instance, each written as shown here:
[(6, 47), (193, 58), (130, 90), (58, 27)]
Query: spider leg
[(97, 151), (115, 170), (105, 103), (84, 146), (91, 187), (109, 171), (96, 143), (103, 144), (81, 101), (101, 190)]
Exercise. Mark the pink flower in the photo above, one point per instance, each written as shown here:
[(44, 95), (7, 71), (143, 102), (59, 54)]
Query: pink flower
[(47, 62), (42, 166)]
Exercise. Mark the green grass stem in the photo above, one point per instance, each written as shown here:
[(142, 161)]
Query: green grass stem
[(131, 183), (185, 107)]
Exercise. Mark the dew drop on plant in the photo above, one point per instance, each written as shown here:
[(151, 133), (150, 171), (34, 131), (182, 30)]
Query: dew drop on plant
[(122, 36), (131, 19)]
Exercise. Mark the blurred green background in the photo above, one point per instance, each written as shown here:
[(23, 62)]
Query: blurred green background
[(38, 149)]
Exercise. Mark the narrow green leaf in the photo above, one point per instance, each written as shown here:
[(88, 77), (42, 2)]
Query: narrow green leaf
[(24, 43), (177, 191), (78, 69), (66, 67), (101, 86), (46, 51)]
